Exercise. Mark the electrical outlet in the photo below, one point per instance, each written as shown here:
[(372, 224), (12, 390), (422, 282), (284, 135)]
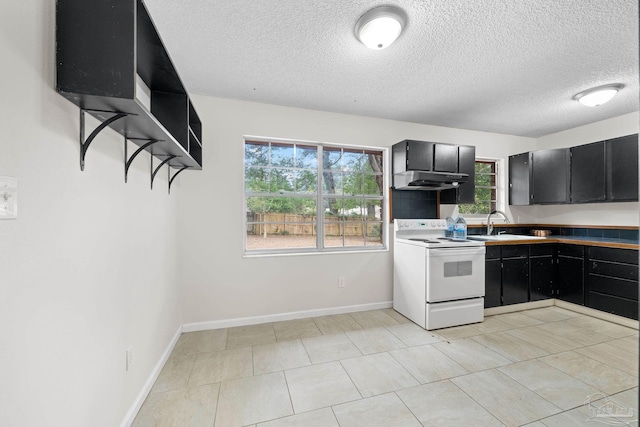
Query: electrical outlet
[(129, 359), (341, 282)]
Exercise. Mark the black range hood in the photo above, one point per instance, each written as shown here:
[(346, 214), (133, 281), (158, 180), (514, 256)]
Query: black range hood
[(428, 180)]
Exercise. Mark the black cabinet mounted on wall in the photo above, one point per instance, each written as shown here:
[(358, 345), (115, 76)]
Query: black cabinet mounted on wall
[(111, 63), (588, 176), (622, 168), (603, 171), (466, 192), (550, 176), (425, 165), (520, 179)]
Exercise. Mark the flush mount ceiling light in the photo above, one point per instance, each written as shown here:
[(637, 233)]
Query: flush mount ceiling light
[(381, 26), (598, 95)]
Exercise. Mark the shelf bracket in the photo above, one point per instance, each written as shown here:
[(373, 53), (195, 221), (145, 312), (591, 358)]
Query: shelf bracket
[(171, 178), (155, 171), (84, 144), (129, 160)]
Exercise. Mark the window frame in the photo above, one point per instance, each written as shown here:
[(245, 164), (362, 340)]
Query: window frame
[(320, 195), (499, 187)]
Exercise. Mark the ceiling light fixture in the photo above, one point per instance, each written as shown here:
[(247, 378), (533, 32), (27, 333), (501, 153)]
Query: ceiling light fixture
[(598, 95), (380, 26)]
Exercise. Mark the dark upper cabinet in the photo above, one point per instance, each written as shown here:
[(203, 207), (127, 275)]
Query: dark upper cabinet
[(110, 62), (622, 168), (588, 177), (604, 171), (466, 192), (409, 155), (550, 173), (520, 179), (413, 155), (445, 158)]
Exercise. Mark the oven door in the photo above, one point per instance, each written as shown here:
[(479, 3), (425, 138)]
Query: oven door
[(455, 273)]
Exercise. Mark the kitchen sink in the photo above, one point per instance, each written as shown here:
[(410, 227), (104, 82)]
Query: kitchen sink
[(504, 237)]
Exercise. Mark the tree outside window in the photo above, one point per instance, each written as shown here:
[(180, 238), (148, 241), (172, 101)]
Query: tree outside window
[(486, 189)]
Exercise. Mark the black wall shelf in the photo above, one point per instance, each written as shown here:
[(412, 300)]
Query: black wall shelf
[(112, 64)]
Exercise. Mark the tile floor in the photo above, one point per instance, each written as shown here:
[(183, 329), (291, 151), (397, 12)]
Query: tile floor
[(542, 367)]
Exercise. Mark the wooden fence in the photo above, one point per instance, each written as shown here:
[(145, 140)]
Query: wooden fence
[(304, 225)]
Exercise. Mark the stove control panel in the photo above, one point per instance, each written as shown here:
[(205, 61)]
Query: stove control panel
[(420, 224)]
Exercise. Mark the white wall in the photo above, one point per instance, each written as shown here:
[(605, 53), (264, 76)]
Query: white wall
[(88, 268), (93, 266), (591, 213), (218, 282)]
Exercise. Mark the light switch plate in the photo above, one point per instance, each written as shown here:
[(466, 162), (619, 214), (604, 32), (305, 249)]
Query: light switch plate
[(8, 197)]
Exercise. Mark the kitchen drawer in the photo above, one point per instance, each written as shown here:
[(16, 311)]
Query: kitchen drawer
[(575, 251), (626, 256), (541, 249), (613, 269), (515, 251), (613, 286), (610, 304), (493, 252)]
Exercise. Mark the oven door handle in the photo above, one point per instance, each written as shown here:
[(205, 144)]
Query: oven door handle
[(456, 251)]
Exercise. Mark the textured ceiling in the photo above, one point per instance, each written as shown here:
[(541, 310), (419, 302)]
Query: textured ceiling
[(492, 65)]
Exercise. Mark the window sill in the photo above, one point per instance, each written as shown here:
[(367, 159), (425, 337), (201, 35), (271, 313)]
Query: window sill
[(326, 252)]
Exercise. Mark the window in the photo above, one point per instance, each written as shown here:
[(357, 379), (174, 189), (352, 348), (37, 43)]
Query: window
[(486, 189), (304, 197)]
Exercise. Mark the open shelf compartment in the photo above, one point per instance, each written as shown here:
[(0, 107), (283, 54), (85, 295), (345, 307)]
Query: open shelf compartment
[(110, 59)]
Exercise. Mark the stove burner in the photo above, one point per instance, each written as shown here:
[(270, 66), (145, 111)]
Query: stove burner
[(451, 239), (425, 240)]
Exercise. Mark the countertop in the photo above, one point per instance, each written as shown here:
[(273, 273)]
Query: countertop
[(574, 240)]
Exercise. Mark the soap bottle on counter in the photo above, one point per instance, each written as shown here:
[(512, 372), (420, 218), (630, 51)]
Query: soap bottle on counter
[(460, 229), (450, 227)]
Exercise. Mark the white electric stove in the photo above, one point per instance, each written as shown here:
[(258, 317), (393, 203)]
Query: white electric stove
[(438, 281)]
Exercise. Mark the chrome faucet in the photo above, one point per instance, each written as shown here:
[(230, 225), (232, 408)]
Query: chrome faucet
[(490, 225)]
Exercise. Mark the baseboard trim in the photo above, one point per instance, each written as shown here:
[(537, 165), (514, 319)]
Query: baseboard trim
[(243, 321), (517, 307), (623, 321), (144, 392), (613, 318)]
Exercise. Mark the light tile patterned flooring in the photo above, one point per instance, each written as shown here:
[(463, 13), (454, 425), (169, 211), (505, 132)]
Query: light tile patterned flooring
[(375, 368)]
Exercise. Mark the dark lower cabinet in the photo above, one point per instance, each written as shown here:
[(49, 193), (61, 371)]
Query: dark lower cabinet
[(612, 281), (570, 274), (605, 279), (506, 275), (515, 274), (492, 283), (493, 277), (541, 277)]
